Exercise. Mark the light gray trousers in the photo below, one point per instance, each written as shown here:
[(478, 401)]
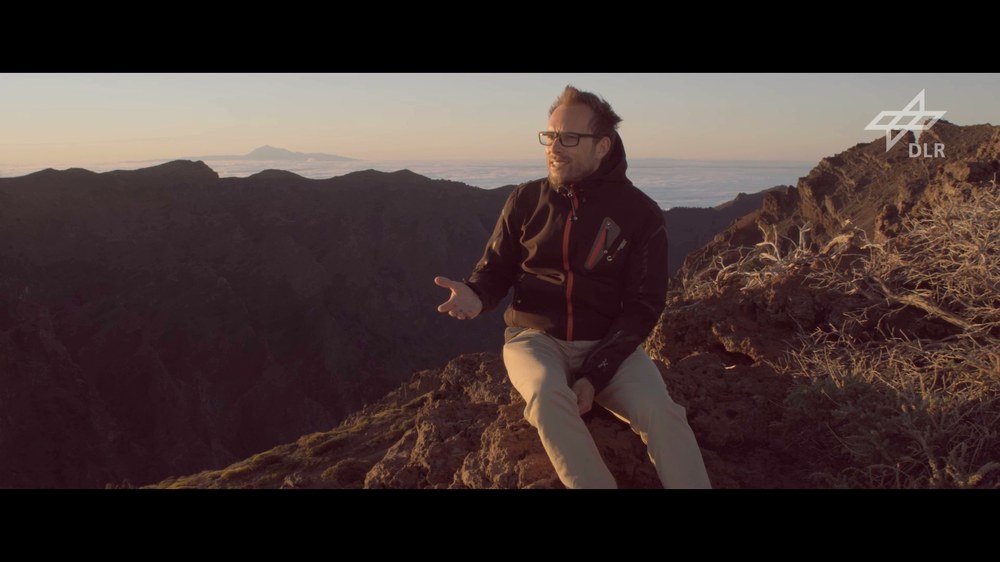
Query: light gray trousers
[(540, 367)]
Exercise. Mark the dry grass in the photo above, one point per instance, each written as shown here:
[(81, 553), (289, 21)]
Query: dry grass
[(892, 402), (749, 268)]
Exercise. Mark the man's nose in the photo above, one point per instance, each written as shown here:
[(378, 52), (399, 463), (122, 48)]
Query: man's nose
[(556, 147)]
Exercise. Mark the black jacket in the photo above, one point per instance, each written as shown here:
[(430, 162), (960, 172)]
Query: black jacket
[(588, 261)]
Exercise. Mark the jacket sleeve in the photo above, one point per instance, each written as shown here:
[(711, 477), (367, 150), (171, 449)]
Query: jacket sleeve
[(643, 300), (495, 273)]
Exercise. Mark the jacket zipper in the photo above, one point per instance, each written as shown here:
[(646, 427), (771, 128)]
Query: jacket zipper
[(569, 272), (620, 246)]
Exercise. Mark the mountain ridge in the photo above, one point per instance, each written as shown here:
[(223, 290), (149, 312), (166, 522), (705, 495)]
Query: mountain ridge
[(266, 153)]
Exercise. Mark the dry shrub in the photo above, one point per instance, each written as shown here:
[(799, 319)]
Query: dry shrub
[(905, 391), (749, 268)]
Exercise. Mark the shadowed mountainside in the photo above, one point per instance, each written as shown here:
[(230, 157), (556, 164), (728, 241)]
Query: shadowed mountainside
[(164, 320), (690, 228)]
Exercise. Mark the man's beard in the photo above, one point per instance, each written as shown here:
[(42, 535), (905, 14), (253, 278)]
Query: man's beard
[(564, 179)]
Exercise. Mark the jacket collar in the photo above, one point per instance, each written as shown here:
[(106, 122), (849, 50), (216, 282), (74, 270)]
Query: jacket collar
[(610, 174)]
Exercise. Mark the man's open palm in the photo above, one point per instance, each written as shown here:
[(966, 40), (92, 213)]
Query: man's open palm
[(463, 304)]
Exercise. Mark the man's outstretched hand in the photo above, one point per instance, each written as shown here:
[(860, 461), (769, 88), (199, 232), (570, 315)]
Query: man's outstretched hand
[(463, 304)]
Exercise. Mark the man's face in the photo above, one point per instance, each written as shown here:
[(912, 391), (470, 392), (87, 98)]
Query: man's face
[(571, 164)]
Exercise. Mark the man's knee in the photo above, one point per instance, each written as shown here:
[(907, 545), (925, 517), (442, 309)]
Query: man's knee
[(546, 401), (655, 411)]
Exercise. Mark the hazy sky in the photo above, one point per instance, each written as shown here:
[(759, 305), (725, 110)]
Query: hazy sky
[(78, 119)]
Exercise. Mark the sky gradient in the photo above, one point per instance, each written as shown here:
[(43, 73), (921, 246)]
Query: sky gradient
[(63, 120)]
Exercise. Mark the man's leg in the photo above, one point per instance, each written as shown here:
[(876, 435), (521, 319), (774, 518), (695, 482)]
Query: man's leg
[(638, 396), (536, 366)]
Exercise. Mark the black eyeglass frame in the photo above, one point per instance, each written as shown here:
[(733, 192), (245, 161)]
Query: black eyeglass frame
[(552, 136)]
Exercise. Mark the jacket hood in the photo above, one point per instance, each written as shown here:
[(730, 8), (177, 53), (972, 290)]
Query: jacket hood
[(611, 171)]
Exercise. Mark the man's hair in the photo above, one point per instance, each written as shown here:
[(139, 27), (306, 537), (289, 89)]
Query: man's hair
[(605, 120)]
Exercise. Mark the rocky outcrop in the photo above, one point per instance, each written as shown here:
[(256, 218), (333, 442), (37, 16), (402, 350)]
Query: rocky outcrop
[(865, 185), (457, 427), (462, 427)]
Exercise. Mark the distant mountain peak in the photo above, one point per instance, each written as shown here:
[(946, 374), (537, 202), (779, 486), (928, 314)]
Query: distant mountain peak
[(268, 152)]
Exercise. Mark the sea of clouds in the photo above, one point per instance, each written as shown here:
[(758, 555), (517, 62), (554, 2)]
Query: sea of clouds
[(670, 182)]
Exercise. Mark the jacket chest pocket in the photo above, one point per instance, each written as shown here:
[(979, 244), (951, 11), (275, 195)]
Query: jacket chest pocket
[(607, 244)]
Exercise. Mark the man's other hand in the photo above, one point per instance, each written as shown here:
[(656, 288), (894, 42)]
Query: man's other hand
[(584, 395), (463, 304)]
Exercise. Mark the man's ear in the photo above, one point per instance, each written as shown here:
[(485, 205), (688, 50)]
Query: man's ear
[(603, 147)]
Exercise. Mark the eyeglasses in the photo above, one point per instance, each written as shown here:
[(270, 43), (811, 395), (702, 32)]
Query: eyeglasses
[(566, 139)]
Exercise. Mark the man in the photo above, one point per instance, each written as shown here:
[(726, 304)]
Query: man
[(586, 253)]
